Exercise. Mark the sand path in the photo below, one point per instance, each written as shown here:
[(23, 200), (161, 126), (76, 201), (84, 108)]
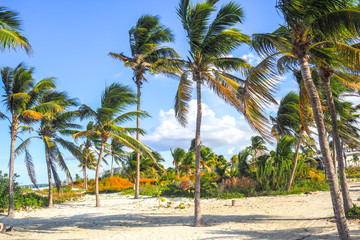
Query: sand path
[(305, 216)]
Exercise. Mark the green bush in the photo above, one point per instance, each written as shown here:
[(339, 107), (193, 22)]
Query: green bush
[(22, 198), (353, 213)]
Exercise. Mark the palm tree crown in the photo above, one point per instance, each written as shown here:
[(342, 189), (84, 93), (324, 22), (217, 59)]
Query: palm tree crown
[(10, 27), (107, 119)]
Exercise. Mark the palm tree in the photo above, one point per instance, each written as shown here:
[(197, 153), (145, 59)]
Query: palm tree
[(323, 19), (147, 56), (209, 63), (20, 100), (178, 155), (292, 120), (327, 71), (52, 126), (244, 168), (117, 154), (257, 145), (107, 118), (88, 162), (88, 152), (188, 163), (10, 28)]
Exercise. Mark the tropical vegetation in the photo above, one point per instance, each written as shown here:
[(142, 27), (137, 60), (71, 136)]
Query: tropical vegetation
[(298, 148)]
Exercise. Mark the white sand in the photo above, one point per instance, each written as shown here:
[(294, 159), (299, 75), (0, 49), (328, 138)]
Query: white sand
[(305, 216)]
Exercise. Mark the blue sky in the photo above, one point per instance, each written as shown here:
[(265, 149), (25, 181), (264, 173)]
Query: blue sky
[(71, 40)]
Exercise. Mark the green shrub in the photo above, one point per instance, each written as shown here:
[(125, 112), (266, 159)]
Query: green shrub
[(354, 212)]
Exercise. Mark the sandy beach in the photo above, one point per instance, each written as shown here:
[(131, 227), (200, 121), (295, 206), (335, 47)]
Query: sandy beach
[(305, 216)]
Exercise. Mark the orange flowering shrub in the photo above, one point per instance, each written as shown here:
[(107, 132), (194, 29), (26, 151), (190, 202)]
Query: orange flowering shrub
[(316, 176), (110, 184), (186, 178), (115, 183), (147, 181)]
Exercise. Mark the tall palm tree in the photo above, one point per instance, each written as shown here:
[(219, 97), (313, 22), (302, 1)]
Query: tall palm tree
[(52, 126), (147, 56), (209, 63), (107, 119), (20, 100), (10, 31), (330, 66), (303, 27)]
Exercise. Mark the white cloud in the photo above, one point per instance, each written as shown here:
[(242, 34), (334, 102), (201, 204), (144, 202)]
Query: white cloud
[(226, 132), (251, 59), (353, 99)]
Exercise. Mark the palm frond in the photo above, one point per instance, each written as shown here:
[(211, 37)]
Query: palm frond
[(335, 23), (230, 63), (60, 160), (22, 147), (128, 116), (182, 98), (30, 167)]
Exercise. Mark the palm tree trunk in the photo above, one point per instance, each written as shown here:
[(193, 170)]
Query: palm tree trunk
[(344, 156), (338, 208), (137, 182), (337, 146), (198, 217), (111, 169), (288, 187), (85, 174), (48, 165), (334, 153), (97, 175), (13, 134)]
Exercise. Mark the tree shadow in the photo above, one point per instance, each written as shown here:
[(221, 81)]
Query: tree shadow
[(100, 222), (297, 233)]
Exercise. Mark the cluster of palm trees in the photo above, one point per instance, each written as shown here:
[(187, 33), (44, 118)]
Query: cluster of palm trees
[(184, 161), (316, 41)]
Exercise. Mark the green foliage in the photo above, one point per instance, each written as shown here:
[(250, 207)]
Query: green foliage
[(354, 212), (21, 200), (244, 168), (27, 197)]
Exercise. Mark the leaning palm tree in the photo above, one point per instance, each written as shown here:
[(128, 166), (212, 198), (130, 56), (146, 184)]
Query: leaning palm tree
[(209, 63), (52, 126), (304, 26), (293, 118), (20, 101), (331, 66), (107, 119), (10, 31), (147, 56)]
